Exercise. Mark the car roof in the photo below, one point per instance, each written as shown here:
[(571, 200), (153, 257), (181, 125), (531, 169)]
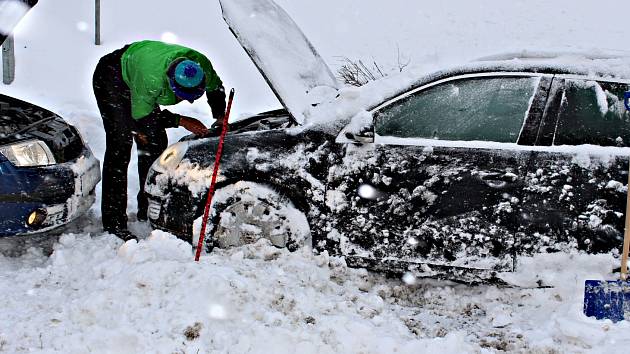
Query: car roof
[(602, 64), (609, 66), (350, 101), (540, 54)]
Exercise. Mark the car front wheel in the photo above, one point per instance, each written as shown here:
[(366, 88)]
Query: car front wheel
[(245, 212)]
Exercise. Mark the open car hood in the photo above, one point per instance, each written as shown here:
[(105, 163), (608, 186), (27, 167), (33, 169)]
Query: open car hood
[(11, 12), (18, 118), (283, 55)]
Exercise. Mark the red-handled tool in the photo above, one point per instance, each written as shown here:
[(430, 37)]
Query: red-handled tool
[(217, 159)]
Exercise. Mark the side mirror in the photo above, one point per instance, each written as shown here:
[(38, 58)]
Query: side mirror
[(365, 136)]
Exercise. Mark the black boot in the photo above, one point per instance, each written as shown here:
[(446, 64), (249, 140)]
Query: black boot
[(142, 215), (122, 234)]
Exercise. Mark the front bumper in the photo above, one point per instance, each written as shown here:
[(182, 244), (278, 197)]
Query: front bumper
[(172, 208), (174, 214), (62, 192)]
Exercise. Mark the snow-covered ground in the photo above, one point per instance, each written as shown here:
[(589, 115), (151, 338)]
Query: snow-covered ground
[(95, 294)]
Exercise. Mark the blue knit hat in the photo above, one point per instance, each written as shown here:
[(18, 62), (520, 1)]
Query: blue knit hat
[(187, 79)]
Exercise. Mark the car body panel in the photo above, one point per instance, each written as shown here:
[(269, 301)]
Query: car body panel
[(64, 191), (283, 55), (295, 164), (574, 200), (433, 205), (576, 195)]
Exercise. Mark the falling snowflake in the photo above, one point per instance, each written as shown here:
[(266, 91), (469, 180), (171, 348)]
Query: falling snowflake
[(82, 26), (217, 312), (366, 191), (169, 37), (409, 279)]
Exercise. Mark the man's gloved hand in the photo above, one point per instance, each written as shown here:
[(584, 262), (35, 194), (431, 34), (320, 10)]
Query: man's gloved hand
[(142, 138), (216, 101), (193, 125)]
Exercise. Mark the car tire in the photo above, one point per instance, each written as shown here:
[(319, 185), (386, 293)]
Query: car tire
[(18, 246), (245, 212)]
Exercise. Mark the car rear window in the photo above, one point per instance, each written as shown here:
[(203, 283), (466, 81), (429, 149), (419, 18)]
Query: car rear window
[(486, 109), (593, 112)]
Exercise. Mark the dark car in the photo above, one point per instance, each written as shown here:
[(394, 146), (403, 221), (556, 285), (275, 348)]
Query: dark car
[(453, 173), (47, 173)]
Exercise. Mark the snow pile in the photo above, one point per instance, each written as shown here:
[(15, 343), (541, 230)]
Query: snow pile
[(159, 246), (151, 297), (99, 295)]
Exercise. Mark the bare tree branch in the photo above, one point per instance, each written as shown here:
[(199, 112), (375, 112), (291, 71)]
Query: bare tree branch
[(357, 73), (401, 65)]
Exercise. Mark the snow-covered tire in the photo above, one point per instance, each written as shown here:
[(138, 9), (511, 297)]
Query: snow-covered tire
[(245, 212)]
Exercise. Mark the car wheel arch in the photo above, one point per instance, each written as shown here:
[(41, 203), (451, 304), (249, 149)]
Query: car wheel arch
[(299, 200), (281, 192)]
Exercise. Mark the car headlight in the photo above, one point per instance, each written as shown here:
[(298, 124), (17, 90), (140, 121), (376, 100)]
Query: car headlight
[(28, 153), (171, 157)]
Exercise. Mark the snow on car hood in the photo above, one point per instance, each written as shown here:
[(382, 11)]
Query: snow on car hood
[(283, 55)]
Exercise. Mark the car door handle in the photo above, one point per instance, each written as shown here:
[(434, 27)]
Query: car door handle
[(496, 179)]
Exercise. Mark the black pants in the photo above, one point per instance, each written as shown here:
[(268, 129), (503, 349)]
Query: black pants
[(114, 102)]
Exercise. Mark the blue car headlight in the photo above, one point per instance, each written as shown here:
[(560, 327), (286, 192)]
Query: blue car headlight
[(28, 153)]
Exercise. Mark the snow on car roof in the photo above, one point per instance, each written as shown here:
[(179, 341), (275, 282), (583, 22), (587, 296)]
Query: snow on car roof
[(540, 54), (352, 101)]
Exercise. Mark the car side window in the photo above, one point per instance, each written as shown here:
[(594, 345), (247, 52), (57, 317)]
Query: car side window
[(593, 112), (487, 109)]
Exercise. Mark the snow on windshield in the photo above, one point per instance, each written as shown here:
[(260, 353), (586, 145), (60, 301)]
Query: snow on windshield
[(280, 50)]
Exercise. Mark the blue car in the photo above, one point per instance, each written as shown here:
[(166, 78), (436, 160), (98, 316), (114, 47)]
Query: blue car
[(47, 173)]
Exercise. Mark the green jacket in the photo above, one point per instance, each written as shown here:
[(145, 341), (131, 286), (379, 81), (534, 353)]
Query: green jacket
[(144, 65)]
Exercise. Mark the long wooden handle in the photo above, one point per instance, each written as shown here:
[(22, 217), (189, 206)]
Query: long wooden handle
[(626, 234)]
